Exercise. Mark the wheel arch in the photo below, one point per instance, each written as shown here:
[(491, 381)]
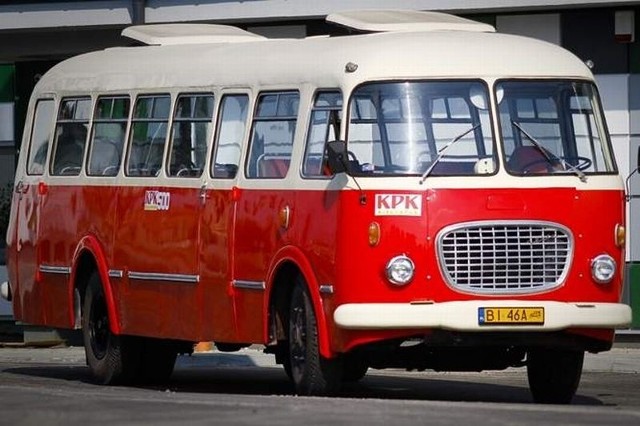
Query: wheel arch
[(289, 263), (88, 258)]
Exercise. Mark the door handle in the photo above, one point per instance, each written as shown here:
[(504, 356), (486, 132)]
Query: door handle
[(203, 194), (20, 188)]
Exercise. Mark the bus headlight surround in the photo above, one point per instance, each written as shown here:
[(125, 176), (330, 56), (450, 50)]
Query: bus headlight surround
[(400, 270), (603, 269)]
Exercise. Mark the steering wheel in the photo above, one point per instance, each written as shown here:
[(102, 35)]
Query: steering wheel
[(583, 163)]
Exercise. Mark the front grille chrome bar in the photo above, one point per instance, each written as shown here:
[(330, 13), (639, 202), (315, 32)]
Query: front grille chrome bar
[(505, 257)]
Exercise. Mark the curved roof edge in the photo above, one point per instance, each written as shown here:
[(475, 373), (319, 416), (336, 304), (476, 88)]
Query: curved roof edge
[(168, 34), (405, 20)]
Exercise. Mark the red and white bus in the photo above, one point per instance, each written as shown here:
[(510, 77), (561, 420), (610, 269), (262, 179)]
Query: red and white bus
[(420, 193)]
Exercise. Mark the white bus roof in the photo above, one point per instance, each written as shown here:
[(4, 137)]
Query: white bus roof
[(319, 61)]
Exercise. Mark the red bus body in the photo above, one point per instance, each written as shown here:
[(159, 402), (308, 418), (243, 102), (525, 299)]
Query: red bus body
[(207, 259)]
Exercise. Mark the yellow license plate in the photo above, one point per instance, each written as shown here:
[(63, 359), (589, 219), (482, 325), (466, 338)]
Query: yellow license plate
[(511, 316)]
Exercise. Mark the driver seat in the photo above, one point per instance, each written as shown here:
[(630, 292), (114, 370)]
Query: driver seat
[(527, 159)]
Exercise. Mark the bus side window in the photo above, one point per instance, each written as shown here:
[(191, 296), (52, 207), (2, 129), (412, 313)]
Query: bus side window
[(191, 131), (40, 136), (71, 136), (274, 126), (148, 135), (324, 126), (232, 123), (107, 138)]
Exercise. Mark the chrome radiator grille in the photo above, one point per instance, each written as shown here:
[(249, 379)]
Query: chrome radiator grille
[(505, 257)]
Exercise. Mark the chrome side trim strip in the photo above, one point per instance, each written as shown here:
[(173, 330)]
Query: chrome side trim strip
[(326, 289), (155, 276), (48, 269), (248, 285), (116, 273)]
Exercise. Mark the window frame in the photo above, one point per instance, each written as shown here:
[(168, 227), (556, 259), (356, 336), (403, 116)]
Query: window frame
[(51, 127), (274, 118), (56, 138), (244, 142), (313, 109), (97, 120), (133, 120), (175, 119)]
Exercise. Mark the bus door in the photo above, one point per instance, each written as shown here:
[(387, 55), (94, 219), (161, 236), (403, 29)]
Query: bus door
[(23, 236), (263, 208), (157, 235), (218, 219)]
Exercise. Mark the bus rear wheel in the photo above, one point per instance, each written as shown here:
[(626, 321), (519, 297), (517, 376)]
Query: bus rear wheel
[(554, 374), (311, 373), (112, 359)]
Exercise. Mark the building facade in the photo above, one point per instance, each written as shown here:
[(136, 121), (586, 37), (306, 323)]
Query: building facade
[(35, 35)]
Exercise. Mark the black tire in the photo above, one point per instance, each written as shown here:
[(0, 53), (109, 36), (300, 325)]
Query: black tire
[(310, 372), (354, 369), (554, 374), (112, 359), (158, 357)]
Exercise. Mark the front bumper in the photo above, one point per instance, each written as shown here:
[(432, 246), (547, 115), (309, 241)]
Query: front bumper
[(463, 315)]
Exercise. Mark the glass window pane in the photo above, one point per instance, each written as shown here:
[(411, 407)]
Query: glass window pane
[(419, 119), (71, 136), (189, 148), (67, 110), (231, 130), (192, 130), (162, 107), (70, 141), (83, 109), (40, 136), (107, 140), (272, 140), (557, 128), (324, 127), (267, 106)]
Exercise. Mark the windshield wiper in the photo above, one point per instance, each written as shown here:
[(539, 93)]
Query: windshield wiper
[(443, 150), (550, 156)]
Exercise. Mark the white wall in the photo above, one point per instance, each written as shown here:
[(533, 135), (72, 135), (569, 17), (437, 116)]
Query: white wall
[(542, 26)]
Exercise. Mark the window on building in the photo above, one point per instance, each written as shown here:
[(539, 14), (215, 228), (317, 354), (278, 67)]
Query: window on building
[(107, 139), (71, 136), (274, 126)]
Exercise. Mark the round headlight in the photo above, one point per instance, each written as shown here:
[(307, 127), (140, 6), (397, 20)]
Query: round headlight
[(603, 269), (400, 270)]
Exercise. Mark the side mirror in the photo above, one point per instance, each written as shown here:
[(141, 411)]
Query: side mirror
[(337, 158), (638, 160)]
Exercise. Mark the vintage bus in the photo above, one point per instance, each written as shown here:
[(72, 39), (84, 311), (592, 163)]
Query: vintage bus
[(418, 192)]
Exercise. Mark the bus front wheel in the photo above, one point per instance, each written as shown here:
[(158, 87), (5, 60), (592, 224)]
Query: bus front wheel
[(311, 373), (112, 359), (554, 374)]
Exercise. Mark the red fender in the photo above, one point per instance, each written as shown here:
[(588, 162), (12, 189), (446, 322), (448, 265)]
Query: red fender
[(296, 256), (91, 244)]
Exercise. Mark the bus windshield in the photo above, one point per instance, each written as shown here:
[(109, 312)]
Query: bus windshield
[(437, 128), (551, 127)]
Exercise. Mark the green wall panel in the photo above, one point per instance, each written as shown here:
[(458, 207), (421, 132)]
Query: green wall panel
[(7, 74)]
